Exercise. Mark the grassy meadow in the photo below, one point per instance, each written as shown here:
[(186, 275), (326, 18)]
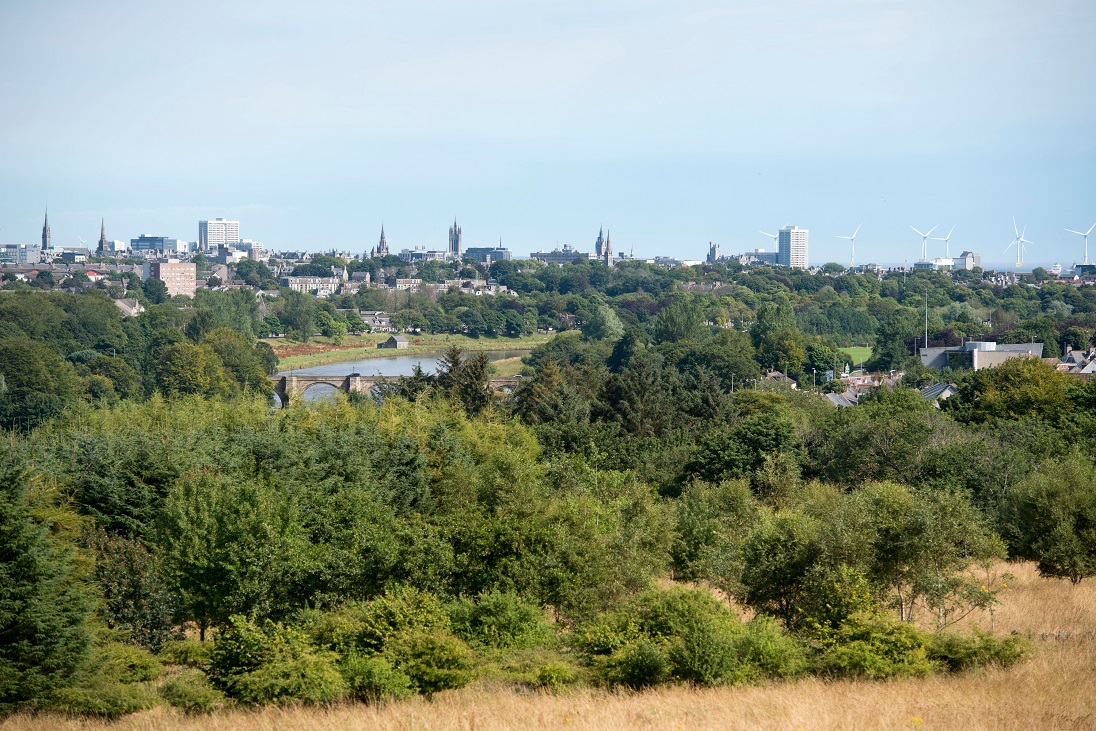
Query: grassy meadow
[(1054, 689)]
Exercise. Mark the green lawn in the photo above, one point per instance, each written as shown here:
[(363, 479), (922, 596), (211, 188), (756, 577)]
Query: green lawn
[(858, 354)]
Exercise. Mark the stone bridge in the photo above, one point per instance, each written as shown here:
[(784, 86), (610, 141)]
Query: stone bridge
[(291, 386)]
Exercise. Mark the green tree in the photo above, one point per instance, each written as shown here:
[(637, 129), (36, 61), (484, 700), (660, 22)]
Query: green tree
[(44, 606), (1017, 388), (242, 359), (39, 384), (155, 290), (679, 321), (228, 548), (1050, 518), (603, 324), (186, 369), (298, 314)]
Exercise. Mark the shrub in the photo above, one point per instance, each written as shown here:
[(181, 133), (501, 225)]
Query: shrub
[(962, 652), (305, 676), (127, 664), (765, 649), (191, 653), (555, 675), (374, 680), (606, 633), (434, 661), (402, 609), (190, 692), (640, 664), (273, 664), (104, 699), (874, 646), (501, 620), (337, 630), (703, 652)]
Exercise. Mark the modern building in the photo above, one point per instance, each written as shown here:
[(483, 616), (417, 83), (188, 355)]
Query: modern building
[(792, 243), (455, 237), (968, 260), (488, 254), (218, 232), (977, 355), (566, 255), (148, 244), (421, 254), (180, 277), (20, 254)]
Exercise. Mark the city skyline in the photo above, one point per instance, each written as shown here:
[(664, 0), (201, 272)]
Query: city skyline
[(681, 125)]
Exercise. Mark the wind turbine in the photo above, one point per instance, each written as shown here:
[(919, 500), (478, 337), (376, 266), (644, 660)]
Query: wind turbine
[(924, 241), (852, 240), (774, 237), (946, 240), (1085, 235), (1019, 242)]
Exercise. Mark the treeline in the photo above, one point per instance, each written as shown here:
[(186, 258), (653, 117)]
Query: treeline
[(59, 349)]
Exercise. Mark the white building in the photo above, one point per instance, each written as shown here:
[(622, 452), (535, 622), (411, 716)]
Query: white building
[(792, 242), (20, 254), (217, 232)]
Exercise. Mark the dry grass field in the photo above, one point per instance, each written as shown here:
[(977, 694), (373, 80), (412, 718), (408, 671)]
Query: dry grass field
[(1055, 689)]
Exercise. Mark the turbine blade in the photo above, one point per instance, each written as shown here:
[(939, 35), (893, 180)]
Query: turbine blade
[(948, 237), (1090, 229), (1077, 232), (933, 229), (856, 232), (1015, 228)]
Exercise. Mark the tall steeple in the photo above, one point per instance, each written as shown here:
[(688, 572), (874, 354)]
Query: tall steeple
[(600, 243), (454, 240), (102, 238), (47, 240), (608, 251), (382, 247)]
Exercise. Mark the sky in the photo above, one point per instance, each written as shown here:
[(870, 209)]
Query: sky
[(673, 124)]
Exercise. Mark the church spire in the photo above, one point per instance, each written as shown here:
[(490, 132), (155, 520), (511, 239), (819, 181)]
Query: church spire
[(382, 247), (103, 237), (607, 252), (47, 240)]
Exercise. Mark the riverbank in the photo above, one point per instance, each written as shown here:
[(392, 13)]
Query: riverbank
[(293, 354)]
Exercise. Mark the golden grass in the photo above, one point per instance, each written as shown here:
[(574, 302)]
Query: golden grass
[(1055, 689)]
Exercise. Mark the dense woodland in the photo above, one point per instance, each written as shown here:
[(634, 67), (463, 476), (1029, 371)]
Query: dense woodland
[(156, 511)]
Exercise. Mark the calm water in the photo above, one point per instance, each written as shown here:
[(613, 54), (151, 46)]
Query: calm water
[(389, 365)]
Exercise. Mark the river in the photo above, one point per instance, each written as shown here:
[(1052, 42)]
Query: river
[(386, 365)]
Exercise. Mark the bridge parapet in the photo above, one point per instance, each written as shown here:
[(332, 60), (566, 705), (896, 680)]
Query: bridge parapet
[(292, 385)]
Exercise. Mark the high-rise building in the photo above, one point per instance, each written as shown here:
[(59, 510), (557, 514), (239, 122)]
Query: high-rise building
[(218, 232), (792, 252), (454, 240), (47, 240)]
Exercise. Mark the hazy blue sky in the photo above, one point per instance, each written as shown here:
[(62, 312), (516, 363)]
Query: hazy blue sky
[(672, 123)]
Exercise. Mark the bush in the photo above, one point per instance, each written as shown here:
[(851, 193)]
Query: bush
[(104, 699), (273, 664), (555, 675), (704, 651), (765, 649), (402, 609), (191, 653), (374, 680), (127, 664), (875, 646), (190, 692), (338, 630), (434, 661), (640, 664), (962, 652), (501, 620)]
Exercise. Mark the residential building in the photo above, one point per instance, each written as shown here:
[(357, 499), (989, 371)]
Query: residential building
[(319, 286), (409, 285), (977, 355), (376, 319), (218, 232), (129, 307), (180, 277), (792, 243), (20, 254), (566, 255)]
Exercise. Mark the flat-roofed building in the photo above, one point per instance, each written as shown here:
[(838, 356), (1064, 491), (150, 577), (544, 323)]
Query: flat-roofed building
[(218, 232), (179, 277)]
